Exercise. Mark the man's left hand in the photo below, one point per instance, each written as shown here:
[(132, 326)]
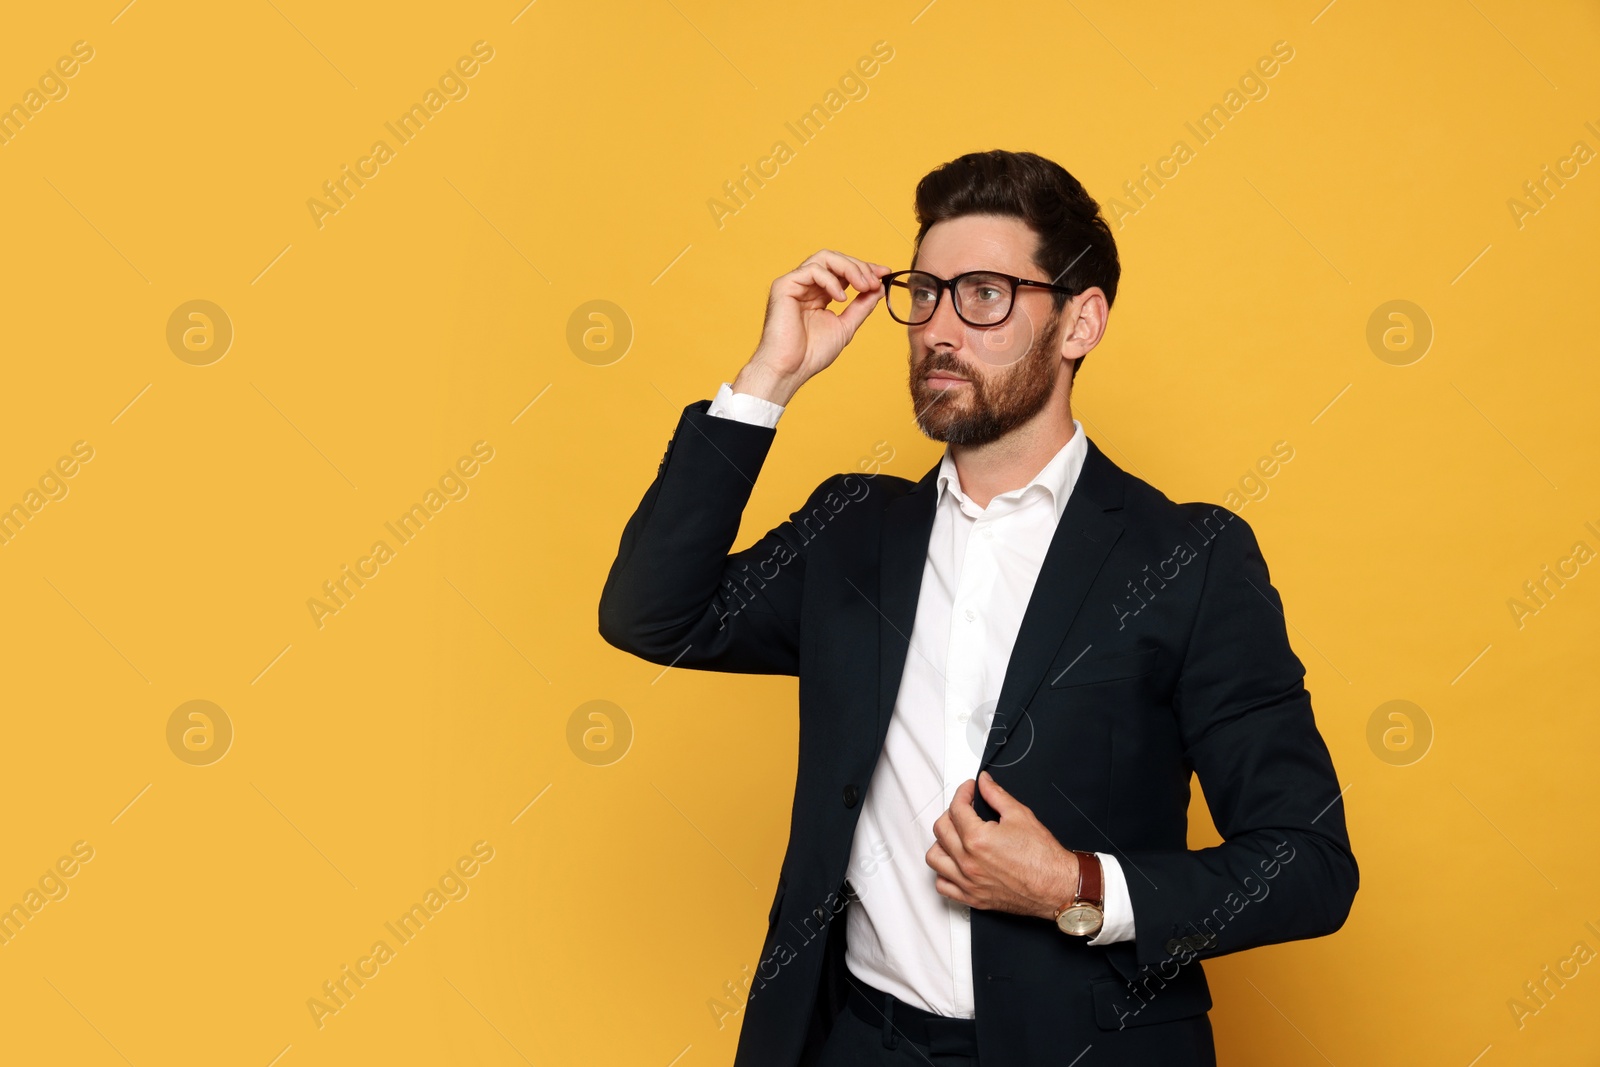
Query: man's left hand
[(1014, 865)]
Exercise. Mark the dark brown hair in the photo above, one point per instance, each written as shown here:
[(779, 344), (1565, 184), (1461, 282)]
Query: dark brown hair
[(1076, 248)]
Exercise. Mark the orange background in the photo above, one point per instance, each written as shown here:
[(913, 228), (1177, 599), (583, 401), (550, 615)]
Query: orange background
[(373, 347)]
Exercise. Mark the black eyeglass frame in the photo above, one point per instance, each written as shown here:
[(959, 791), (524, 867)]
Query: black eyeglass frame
[(941, 284)]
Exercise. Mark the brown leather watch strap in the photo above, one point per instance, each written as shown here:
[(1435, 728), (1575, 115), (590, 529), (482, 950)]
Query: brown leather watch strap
[(1091, 879)]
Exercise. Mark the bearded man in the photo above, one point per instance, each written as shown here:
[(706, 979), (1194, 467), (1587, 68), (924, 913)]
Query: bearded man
[(1009, 670)]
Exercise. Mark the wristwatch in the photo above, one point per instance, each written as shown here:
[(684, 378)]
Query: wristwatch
[(1083, 915)]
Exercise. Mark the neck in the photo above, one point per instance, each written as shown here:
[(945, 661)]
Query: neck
[(1012, 461)]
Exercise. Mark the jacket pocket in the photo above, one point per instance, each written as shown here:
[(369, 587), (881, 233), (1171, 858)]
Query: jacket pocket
[(1117, 1005)]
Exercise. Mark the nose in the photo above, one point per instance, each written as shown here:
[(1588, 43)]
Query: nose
[(944, 326)]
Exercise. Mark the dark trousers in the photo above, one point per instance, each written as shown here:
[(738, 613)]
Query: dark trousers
[(876, 1030)]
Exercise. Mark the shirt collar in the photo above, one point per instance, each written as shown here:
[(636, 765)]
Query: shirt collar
[(1057, 478)]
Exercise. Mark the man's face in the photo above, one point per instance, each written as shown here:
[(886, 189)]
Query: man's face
[(973, 384)]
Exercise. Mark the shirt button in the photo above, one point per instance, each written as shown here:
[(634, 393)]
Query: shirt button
[(966, 913), (963, 716), (988, 534), (970, 614)]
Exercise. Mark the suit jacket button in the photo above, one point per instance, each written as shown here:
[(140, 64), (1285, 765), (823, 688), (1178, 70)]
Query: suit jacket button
[(1174, 947), (851, 795)]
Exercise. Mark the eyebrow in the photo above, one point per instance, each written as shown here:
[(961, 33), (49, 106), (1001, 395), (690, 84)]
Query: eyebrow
[(991, 270)]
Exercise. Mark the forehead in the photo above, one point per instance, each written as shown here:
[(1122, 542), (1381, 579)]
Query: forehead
[(978, 242)]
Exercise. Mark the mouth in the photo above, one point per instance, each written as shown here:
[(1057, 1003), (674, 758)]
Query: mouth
[(944, 380)]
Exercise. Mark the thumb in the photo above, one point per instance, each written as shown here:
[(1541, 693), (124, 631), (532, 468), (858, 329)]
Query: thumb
[(1001, 801), (856, 312)]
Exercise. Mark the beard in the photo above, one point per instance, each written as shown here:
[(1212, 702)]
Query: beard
[(994, 404)]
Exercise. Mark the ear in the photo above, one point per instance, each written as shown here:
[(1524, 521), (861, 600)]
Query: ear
[(1083, 322)]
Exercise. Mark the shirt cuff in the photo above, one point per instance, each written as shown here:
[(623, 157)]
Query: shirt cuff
[(744, 407), (1118, 924)]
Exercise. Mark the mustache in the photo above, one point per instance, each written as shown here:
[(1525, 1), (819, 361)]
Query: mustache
[(944, 363)]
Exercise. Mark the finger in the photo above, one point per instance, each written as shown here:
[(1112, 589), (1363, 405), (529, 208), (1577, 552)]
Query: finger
[(1002, 802), (858, 309), (831, 281), (870, 275), (821, 277), (945, 866), (876, 272), (949, 889), (857, 272), (946, 838), (851, 268), (964, 817)]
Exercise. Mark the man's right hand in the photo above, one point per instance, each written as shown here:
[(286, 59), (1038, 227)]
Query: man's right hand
[(801, 336)]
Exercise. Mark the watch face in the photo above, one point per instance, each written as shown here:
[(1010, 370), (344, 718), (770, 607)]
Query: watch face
[(1080, 919)]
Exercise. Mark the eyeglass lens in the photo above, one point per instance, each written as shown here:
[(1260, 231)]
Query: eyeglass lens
[(982, 299)]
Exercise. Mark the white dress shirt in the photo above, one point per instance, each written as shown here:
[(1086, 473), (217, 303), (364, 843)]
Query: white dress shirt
[(904, 937)]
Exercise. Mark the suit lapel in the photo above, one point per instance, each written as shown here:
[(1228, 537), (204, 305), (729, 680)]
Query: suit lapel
[(902, 554), (1083, 539)]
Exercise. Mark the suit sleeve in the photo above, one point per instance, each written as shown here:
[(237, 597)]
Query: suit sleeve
[(1285, 870), (675, 595)]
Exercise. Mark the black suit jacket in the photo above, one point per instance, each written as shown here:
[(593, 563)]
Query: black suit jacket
[(1153, 647)]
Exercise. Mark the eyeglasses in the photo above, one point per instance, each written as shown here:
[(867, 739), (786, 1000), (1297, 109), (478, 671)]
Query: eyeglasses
[(980, 297)]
